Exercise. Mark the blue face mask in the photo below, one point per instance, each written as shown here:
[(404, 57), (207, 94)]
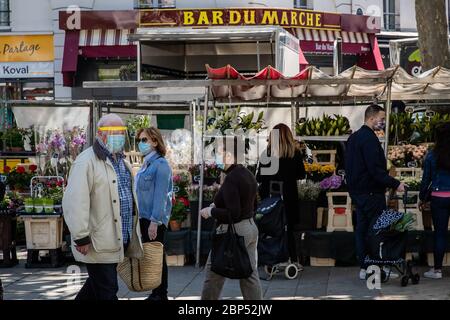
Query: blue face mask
[(219, 162), (115, 143), (145, 148)]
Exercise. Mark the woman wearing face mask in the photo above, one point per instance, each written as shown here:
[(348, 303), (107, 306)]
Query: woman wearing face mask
[(154, 193), (236, 199)]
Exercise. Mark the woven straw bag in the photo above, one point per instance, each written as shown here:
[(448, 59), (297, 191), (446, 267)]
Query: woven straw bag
[(143, 274)]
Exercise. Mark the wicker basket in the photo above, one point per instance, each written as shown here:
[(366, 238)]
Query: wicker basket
[(143, 274)]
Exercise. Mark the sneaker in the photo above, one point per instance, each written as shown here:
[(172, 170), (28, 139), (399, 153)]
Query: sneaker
[(433, 274), (362, 274), (392, 274)]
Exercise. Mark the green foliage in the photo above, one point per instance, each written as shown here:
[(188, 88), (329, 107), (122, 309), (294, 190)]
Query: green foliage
[(335, 125), (404, 224)]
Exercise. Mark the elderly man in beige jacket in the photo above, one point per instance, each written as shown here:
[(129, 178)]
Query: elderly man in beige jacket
[(101, 212)]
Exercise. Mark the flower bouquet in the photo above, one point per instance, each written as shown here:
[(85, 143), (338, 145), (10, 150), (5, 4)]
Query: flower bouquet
[(317, 172)]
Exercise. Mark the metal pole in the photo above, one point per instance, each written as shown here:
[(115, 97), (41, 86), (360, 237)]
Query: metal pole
[(202, 168), (388, 113), (293, 120), (138, 62)]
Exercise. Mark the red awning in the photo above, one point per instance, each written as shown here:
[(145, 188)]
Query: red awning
[(94, 44), (372, 60), (321, 41), (250, 92)]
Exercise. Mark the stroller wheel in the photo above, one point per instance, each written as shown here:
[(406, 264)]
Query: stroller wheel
[(291, 271), (404, 281), (415, 278)]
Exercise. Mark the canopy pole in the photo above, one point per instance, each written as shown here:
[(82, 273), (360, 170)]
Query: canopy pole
[(388, 113), (202, 169)]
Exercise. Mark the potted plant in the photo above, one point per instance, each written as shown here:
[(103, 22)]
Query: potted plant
[(29, 205), (179, 206), (19, 178), (308, 194), (211, 174), (48, 205), (38, 205)]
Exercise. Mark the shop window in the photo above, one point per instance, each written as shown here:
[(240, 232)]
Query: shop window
[(4, 13), (155, 4), (301, 4), (390, 15), (38, 90)]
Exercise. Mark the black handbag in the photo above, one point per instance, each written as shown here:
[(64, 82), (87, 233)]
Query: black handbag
[(229, 256)]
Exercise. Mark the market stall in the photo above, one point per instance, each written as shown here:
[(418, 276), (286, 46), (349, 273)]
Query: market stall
[(227, 87)]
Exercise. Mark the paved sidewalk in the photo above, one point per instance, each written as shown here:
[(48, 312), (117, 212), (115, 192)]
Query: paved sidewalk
[(186, 283)]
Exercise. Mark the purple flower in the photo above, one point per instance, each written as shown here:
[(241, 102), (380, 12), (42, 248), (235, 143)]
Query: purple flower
[(333, 182), (325, 184)]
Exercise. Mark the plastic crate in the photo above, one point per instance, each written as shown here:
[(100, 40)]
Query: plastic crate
[(339, 214)]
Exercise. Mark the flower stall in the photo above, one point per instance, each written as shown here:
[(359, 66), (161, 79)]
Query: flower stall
[(354, 87)]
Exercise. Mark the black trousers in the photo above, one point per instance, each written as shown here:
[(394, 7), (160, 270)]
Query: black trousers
[(161, 291), (368, 208), (101, 283)]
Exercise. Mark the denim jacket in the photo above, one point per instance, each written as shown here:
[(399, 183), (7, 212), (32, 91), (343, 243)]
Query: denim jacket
[(439, 179), (154, 189)]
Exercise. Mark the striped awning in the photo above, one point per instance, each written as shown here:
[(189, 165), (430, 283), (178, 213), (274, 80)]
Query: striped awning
[(329, 36), (320, 41), (108, 37)]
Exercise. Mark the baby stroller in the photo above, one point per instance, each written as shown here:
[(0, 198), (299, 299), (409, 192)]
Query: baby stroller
[(387, 244), (273, 251)]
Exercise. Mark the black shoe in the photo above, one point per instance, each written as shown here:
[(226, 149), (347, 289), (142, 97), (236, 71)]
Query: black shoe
[(155, 297)]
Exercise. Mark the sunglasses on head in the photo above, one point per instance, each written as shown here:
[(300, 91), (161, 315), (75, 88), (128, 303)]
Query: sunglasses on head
[(143, 140)]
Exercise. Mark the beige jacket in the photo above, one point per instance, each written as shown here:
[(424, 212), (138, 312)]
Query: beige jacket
[(91, 209)]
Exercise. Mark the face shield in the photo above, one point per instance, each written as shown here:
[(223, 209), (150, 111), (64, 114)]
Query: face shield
[(115, 138)]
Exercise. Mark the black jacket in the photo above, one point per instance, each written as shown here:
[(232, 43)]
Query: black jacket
[(290, 171), (236, 197), (365, 164)]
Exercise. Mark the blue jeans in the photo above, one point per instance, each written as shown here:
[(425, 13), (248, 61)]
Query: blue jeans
[(440, 212), (368, 208)]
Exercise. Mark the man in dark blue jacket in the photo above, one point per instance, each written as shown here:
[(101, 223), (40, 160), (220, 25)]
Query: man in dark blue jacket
[(367, 177)]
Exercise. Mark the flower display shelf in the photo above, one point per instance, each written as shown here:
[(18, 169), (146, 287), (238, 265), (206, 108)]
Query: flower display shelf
[(43, 231), (412, 207), (8, 221), (339, 212), (329, 154), (416, 173)]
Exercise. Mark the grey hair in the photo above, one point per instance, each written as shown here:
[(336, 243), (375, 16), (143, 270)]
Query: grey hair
[(109, 119)]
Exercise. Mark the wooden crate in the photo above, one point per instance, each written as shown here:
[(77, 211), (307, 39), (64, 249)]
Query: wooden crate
[(322, 262), (176, 261), (43, 232), (330, 153), (337, 220), (445, 262)]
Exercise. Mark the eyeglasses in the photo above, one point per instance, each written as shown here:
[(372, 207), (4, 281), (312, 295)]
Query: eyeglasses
[(143, 140)]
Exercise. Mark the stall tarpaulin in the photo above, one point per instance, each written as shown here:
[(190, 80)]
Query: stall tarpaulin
[(42, 117), (402, 83)]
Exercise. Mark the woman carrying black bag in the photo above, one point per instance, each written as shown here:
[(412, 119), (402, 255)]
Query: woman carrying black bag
[(235, 202)]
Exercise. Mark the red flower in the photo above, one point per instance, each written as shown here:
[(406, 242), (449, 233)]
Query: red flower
[(20, 169), (6, 169), (184, 201), (174, 201), (33, 168)]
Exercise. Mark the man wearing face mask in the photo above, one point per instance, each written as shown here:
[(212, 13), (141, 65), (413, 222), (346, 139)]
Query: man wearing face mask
[(100, 210), (367, 178)]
